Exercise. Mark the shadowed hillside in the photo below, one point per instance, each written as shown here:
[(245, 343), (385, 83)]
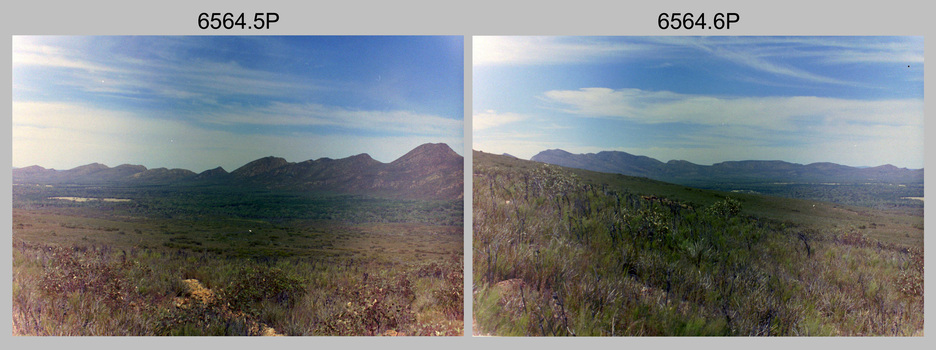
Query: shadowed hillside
[(430, 171), (748, 171)]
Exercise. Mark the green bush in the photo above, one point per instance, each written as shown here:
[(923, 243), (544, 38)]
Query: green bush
[(727, 208), (250, 286)]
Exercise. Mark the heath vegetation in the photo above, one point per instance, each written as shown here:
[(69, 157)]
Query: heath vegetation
[(223, 261), (562, 252)]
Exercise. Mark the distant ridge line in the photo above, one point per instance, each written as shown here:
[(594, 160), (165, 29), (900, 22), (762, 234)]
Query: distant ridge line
[(745, 171), (429, 171)]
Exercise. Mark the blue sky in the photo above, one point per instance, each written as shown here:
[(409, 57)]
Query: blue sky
[(202, 102), (850, 100)]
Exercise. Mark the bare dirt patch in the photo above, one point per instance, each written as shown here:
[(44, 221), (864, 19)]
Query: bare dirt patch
[(198, 294)]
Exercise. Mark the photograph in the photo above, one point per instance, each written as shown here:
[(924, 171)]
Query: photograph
[(238, 185), (697, 186)]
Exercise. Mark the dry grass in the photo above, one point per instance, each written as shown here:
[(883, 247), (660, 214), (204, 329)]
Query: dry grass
[(111, 276), (558, 254)]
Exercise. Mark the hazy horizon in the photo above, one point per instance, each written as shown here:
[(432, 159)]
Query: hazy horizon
[(707, 164), (855, 101), (199, 102), (225, 168)]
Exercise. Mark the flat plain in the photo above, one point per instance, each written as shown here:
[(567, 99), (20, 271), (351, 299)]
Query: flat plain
[(271, 262)]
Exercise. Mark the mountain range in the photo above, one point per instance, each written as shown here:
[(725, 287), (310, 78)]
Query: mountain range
[(429, 171), (739, 172)]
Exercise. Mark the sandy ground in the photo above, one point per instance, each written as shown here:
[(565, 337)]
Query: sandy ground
[(198, 294)]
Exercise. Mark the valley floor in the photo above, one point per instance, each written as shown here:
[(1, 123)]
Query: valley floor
[(88, 271)]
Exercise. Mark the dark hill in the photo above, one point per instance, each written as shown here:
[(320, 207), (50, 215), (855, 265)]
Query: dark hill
[(87, 169), (430, 171), (94, 173), (606, 162), (259, 166), (429, 155), (161, 176), (739, 172), (32, 173), (212, 174), (117, 173)]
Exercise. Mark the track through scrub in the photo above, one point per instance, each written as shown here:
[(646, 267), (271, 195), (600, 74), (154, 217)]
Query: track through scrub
[(198, 294)]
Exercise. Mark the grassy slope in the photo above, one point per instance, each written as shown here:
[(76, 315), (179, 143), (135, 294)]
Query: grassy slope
[(899, 227), (595, 257), (903, 227)]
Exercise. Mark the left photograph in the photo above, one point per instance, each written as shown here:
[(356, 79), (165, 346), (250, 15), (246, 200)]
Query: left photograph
[(238, 186)]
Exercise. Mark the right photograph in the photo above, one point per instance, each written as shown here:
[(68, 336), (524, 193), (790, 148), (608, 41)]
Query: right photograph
[(697, 186)]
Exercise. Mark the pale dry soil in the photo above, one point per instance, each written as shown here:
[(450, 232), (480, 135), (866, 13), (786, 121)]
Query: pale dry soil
[(198, 294)]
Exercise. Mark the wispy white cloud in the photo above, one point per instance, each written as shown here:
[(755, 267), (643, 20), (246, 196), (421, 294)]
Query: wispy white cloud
[(802, 99), (838, 50), (166, 76), (772, 55), (762, 54), (759, 54), (89, 119), (197, 101), (745, 58), (491, 118), (718, 128), (772, 113), (319, 115), (229, 78), (531, 50), (29, 52), (76, 134)]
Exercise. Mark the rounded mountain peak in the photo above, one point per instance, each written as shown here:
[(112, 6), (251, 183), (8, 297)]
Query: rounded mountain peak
[(260, 166), (428, 154)]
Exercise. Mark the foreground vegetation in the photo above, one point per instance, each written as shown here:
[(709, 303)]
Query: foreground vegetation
[(569, 252), (114, 268)]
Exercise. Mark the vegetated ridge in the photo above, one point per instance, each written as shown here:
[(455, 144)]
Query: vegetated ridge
[(429, 171), (559, 251), (739, 172)]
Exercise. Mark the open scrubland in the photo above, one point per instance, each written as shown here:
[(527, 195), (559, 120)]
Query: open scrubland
[(204, 260), (560, 251)]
